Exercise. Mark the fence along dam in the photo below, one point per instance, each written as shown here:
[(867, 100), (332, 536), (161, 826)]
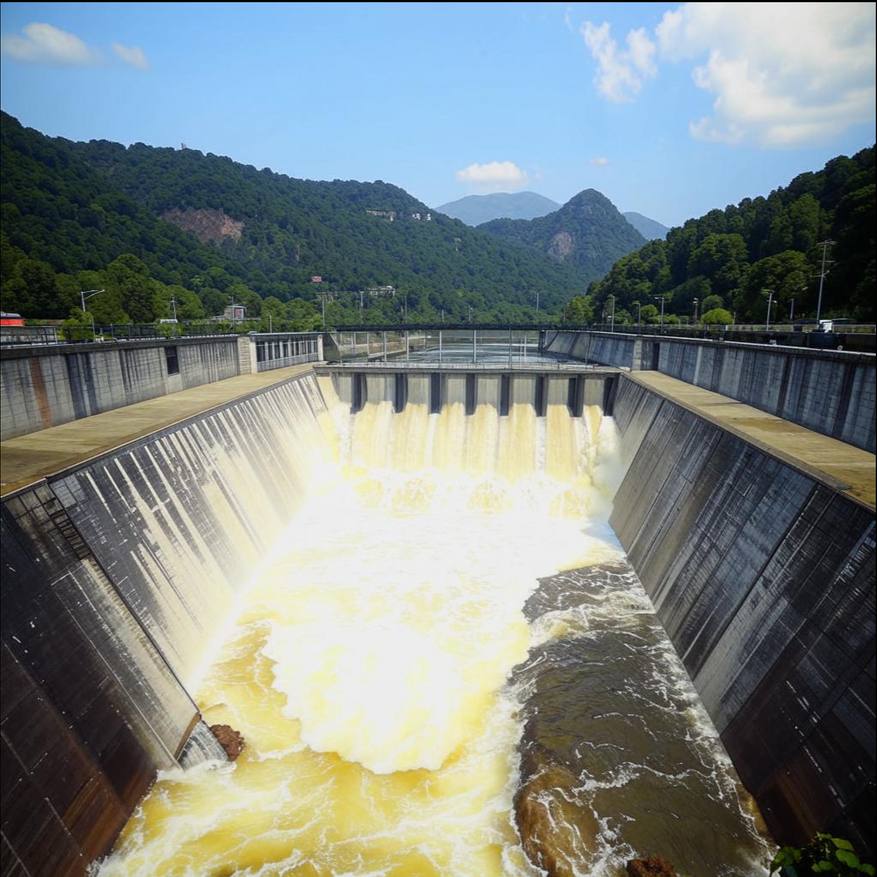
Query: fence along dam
[(468, 622)]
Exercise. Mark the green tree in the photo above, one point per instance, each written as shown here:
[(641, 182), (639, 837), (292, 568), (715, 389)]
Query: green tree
[(710, 302), (129, 277), (579, 311), (650, 314), (724, 259), (303, 315), (786, 274), (718, 315)]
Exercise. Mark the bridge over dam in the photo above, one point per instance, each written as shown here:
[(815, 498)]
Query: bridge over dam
[(470, 590)]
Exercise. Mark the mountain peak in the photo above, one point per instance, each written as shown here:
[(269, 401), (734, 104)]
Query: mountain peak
[(587, 232)]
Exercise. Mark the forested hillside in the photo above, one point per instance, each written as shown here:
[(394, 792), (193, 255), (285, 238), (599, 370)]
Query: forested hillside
[(728, 258), (587, 232), (70, 208)]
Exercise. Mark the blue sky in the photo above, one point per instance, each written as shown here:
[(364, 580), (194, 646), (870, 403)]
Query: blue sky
[(668, 109)]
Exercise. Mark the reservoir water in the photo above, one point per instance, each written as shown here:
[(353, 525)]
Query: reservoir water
[(446, 667)]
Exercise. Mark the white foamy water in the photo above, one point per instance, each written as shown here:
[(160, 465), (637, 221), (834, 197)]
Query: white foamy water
[(366, 664)]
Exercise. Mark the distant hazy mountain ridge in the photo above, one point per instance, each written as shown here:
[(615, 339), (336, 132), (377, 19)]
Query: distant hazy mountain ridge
[(650, 229), (476, 209)]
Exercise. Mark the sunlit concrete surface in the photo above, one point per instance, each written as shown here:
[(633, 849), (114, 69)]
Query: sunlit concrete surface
[(834, 463), (27, 458)]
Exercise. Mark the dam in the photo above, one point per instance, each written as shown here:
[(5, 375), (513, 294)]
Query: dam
[(481, 617)]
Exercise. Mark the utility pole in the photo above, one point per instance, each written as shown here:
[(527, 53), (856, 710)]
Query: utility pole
[(173, 304), (769, 294), (639, 318), (612, 315), (537, 306), (696, 303), (825, 261)]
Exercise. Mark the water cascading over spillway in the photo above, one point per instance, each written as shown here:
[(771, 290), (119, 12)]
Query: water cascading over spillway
[(371, 668)]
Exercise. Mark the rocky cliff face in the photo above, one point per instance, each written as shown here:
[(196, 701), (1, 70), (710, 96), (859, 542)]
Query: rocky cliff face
[(209, 226)]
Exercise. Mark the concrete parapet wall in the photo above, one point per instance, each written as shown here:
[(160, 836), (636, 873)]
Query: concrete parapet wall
[(47, 385), (764, 580), (832, 392), (44, 386)]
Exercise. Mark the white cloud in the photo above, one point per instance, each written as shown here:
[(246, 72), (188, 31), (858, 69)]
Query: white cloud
[(493, 175), (778, 78), (600, 161), (620, 73), (43, 43), (779, 74), (132, 55)]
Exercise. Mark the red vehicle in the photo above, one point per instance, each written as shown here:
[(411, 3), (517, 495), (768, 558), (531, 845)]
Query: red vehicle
[(10, 319)]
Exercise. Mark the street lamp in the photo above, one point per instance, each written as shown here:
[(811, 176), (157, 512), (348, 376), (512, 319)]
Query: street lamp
[(769, 294), (639, 308), (612, 315), (89, 293), (660, 298), (696, 303)]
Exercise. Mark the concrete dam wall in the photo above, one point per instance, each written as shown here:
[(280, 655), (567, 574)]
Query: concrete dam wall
[(763, 577), (832, 392), (115, 577), (117, 573)]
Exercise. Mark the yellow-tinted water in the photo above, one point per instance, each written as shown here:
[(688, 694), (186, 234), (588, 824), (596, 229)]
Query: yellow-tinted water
[(367, 662)]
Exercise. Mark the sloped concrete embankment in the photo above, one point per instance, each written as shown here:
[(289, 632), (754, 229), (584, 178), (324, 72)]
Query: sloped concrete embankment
[(763, 577), (115, 576)]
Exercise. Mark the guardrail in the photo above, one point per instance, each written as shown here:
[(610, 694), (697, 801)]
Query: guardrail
[(402, 365), (135, 332)]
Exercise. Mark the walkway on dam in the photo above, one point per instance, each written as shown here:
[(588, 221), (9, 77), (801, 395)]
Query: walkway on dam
[(28, 458), (835, 463)]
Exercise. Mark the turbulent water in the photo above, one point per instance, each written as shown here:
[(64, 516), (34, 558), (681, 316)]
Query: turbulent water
[(371, 669)]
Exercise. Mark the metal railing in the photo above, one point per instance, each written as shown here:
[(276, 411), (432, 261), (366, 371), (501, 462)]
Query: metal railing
[(496, 366)]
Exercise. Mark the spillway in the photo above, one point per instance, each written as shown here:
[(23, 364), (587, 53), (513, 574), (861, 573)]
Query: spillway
[(406, 592), (384, 658)]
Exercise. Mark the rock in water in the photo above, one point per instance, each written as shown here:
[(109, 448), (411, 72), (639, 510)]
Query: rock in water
[(557, 833), (229, 739), (653, 866)]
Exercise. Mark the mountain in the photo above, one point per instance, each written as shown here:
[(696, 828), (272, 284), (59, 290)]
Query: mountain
[(729, 258), (476, 209), (587, 232), (650, 229), (221, 229)]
